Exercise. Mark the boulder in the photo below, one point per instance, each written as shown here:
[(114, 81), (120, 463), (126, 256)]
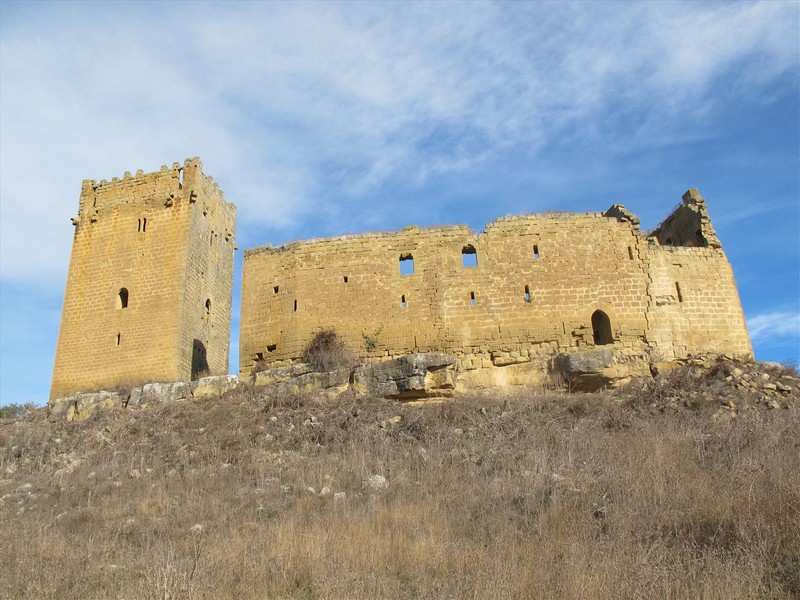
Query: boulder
[(422, 375), (155, 393), (301, 378), (591, 370), (215, 386), (80, 406)]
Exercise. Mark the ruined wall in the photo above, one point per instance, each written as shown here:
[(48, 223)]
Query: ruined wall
[(695, 305), (148, 236), (538, 281)]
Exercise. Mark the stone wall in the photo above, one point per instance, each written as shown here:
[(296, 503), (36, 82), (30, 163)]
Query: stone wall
[(148, 293), (535, 291)]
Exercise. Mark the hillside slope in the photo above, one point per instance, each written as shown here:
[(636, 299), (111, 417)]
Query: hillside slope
[(688, 486)]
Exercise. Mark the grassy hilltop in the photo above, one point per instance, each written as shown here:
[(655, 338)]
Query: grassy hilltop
[(684, 487)]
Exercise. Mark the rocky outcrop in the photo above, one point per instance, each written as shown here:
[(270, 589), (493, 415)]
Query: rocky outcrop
[(80, 406), (301, 378), (591, 370), (425, 375)]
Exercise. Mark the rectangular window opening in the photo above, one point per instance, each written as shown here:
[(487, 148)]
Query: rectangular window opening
[(295, 306), (535, 252), (630, 253), (527, 294), (275, 289), (472, 298), (406, 264), (119, 338), (403, 303), (272, 347), (469, 257), (345, 279), (144, 225), (678, 290)]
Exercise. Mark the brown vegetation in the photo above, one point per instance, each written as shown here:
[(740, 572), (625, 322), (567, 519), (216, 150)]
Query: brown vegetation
[(631, 495)]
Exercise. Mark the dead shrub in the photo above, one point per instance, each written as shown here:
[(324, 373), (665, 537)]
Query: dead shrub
[(327, 352)]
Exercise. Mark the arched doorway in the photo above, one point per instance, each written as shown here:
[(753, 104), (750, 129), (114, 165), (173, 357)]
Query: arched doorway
[(601, 328)]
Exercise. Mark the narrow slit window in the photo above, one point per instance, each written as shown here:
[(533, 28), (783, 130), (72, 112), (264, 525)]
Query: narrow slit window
[(119, 338), (295, 306), (678, 290), (406, 264), (139, 226), (469, 257), (535, 252), (208, 310), (144, 224), (346, 279), (275, 289), (527, 294), (403, 303), (630, 253), (472, 298), (122, 298)]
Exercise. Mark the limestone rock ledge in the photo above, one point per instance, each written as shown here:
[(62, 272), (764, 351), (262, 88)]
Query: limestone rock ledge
[(592, 370), (428, 375)]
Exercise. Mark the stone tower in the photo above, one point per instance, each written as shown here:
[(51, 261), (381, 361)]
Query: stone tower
[(148, 294)]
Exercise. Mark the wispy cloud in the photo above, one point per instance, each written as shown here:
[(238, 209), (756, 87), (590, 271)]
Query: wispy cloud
[(311, 108), (774, 324)]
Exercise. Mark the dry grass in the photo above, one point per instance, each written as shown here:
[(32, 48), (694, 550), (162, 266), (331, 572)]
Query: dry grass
[(520, 497)]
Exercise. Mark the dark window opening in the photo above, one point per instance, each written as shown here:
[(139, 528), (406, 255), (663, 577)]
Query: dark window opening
[(535, 252), (272, 347), (678, 289), (119, 337), (630, 253), (406, 264), (295, 306), (601, 328), (275, 289), (527, 294), (472, 298), (208, 310), (469, 257), (122, 298), (259, 356), (699, 239), (403, 302), (345, 279), (142, 225)]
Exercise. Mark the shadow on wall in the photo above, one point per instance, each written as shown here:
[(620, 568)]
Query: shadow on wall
[(199, 360)]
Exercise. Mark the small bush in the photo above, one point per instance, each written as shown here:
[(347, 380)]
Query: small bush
[(328, 352), (14, 411)]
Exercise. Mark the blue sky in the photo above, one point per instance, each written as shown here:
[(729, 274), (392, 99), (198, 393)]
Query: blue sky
[(327, 118)]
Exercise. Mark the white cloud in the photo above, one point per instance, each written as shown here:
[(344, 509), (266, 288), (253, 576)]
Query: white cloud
[(297, 108), (774, 324)]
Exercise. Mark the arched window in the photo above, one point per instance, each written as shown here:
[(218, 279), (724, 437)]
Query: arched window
[(208, 310), (601, 328), (122, 298), (469, 257)]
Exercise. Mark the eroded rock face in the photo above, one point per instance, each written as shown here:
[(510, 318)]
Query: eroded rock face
[(422, 375), (301, 378), (80, 406), (591, 370), (155, 393), (210, 387)]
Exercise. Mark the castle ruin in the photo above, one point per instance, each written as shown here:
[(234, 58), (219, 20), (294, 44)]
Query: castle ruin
[(148, 294), (154, 303)]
